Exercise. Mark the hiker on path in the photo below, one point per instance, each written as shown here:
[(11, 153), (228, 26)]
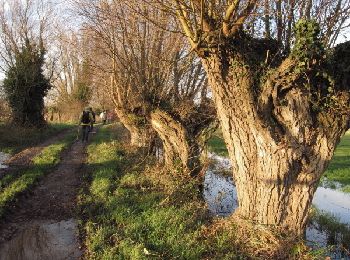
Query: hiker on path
[(103, 116), (85, 122)]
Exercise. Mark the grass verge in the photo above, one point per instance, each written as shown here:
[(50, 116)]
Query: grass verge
[(13, 185), (14, 139), (130, 209), (130, 212)]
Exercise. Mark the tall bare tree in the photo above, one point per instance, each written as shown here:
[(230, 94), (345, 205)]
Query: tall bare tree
[(73, 73), (107, 24)]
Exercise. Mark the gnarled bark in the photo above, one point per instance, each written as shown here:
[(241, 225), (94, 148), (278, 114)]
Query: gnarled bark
[(140, 136), (278, 145), (178, 143)]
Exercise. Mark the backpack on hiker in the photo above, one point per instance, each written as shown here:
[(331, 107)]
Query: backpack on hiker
[(85, 119)]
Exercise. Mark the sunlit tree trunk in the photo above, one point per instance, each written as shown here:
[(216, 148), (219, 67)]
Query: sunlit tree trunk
[(180, 147), (140, 135), (277, 160)]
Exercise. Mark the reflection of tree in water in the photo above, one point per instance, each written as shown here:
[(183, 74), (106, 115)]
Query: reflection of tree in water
[(219, 193), (337, 234), (323, 230), (223, 202)]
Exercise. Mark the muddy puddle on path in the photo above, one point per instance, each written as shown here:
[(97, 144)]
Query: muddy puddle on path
[(44, 240), (3, 158), (333, 207), (42, 224)]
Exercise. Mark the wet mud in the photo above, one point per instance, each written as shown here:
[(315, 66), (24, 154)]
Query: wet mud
[(42, 225)]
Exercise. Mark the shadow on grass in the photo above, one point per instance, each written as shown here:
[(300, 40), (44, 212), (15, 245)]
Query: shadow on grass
[(126, 216), (127, 213), (13, 185), (340, 162)]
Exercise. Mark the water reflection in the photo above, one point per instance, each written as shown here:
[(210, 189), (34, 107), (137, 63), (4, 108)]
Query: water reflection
[(3, 158), (221, 197), (333, 201), (44, 240), (220, 194)]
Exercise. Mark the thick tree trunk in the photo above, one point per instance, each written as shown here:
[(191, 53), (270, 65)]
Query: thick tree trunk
[(277, 157), (140, 136), (179, 145)]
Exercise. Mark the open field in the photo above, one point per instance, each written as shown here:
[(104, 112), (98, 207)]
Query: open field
[(339, 168), (217, 145)]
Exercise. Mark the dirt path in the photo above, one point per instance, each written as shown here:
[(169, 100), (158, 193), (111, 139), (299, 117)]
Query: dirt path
[(43, 225), (22, 159)]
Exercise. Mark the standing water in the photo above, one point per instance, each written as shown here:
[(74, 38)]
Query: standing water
[(221, 197), (44, 240), (3, 158)]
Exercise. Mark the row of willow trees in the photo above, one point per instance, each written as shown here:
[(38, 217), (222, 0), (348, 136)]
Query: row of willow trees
[(279, 87), (157, 84), (267, 70)]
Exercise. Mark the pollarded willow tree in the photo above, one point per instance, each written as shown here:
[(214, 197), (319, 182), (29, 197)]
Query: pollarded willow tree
[(183, 116), (283, 107), (120, 57), (156, 85)]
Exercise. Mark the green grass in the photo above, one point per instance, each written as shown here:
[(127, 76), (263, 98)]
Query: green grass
[(14, 139), (217, 145), (14, 184), (130, 209), (128, 214), (339, 168)]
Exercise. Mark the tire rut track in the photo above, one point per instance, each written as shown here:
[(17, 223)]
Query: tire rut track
[(43, 225)]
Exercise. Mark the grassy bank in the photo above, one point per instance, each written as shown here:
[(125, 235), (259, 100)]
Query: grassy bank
[(14, 139), (130, 209), (14, 184), (128, 216)]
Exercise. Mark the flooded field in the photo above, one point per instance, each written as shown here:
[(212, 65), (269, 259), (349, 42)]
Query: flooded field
[(333, 209)]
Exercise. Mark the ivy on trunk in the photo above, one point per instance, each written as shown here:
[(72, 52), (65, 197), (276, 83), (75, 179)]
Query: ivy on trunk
[(281, 119)]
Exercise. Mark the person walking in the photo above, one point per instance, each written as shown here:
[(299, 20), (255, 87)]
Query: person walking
[(103, 116), (85, 122)]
